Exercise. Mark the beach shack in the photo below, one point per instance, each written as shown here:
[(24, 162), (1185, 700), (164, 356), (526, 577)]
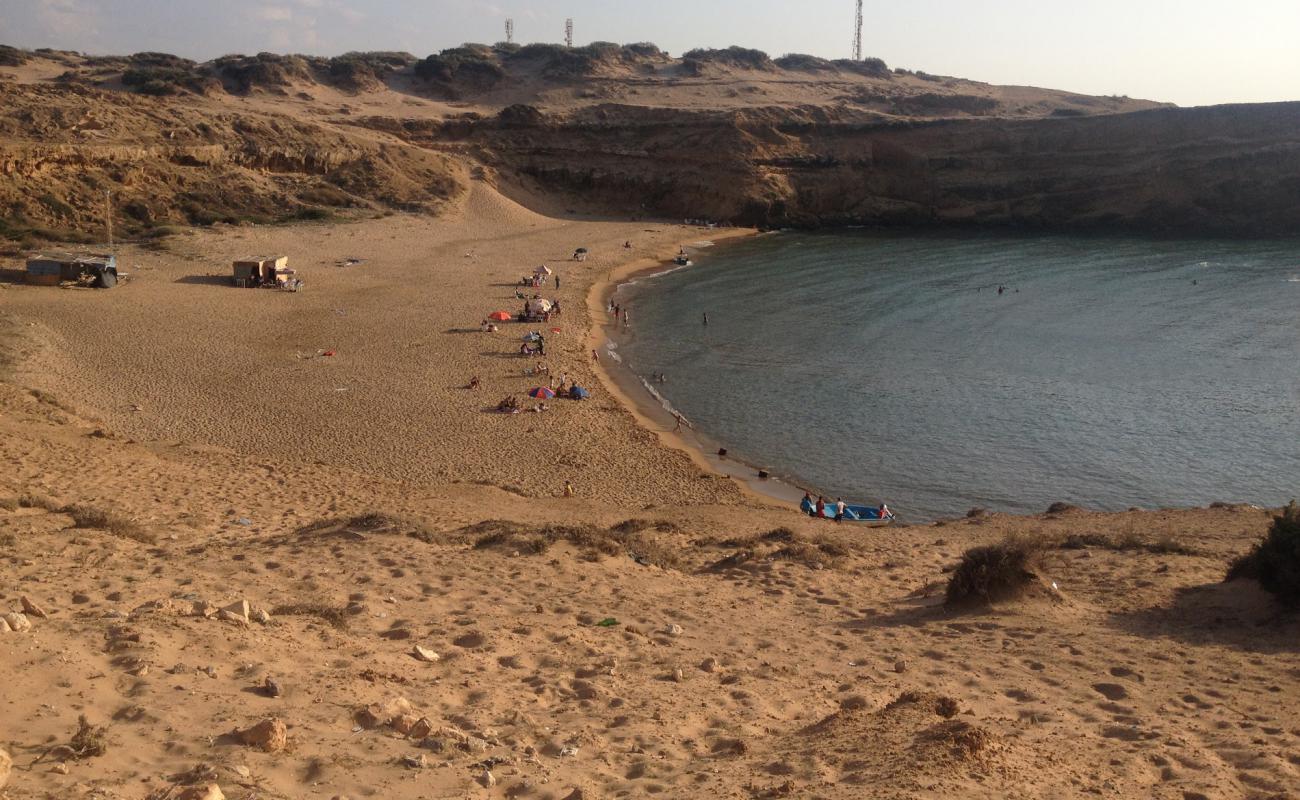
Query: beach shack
[(51, 269), (251, 273)]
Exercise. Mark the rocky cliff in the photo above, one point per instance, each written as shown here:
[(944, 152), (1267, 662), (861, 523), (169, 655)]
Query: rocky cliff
[(725, 135)]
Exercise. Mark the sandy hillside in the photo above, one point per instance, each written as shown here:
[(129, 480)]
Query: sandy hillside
[(175, 446)]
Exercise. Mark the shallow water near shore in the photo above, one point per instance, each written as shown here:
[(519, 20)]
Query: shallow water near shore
[(1110, 372)]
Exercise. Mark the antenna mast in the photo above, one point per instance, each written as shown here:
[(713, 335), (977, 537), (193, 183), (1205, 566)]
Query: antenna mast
[(108, 217), (510, 31), (857, 35), (568, 32)]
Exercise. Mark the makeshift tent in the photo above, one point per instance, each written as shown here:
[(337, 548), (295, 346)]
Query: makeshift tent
[(542, 270), (500, 316), (579, 393), (540, 305), (541, 393)]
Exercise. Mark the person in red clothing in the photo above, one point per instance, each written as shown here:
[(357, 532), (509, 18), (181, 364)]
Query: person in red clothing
[(820, 507)]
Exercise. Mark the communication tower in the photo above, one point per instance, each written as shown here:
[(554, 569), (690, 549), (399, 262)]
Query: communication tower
[(568, 32), (857, 34), (510, 31)]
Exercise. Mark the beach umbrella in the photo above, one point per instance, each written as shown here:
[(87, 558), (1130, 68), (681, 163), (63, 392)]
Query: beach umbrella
[(579, 393), (541, 393), (541, 306), (581, 250), (556, 330), (500, 316), (542, 270)]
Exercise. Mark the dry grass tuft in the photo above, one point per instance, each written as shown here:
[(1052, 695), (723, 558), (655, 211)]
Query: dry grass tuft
[(102, 519), (592, 541), (372, 523), (994, 572)]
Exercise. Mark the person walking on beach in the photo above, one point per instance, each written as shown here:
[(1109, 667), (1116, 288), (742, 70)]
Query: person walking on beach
[(677, 416), (568, 489), (616, 312), (706, 319), (595, 356), (557, 283), (624, 317), (839, 509)]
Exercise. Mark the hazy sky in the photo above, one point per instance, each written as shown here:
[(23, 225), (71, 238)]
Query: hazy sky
[(1189, 52)]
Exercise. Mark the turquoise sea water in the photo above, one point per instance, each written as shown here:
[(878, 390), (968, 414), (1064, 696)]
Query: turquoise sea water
[(1111, 372)]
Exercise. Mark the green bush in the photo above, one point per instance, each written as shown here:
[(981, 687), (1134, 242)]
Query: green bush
[(1275, 561), (736, 56)]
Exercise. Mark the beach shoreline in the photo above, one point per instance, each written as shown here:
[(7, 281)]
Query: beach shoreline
[(625, 386)]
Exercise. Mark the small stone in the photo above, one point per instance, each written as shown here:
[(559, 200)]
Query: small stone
[(261, 617), (31, 609), (6, 766), (424, 654), (488, 779), (475, 745), (209, 792), (403, 723), (269, 735), (900, 666), (242, 771), (271, 687), (4, 626), (202, 608), (678, 675), (415, 762), (210, 671), (61, 769), (569, 751), (673, 630), (18, 623), (140, 671), (709, 665), (397, 633), (80, 598)]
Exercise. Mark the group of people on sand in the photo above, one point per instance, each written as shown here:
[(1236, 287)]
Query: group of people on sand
[(837, 511)]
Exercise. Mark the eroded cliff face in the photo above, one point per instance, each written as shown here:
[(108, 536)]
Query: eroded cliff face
[(1225, 170), (1222, 170)]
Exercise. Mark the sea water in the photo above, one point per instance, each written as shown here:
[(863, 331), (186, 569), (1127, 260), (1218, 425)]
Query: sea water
[(1106, 372)]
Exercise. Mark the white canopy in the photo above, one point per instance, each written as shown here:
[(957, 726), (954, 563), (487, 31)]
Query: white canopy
[(542, 270), (540, 305)]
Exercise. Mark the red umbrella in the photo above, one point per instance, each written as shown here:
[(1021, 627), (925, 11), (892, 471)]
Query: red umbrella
[(541, 393), (500, 316), (555, 330)]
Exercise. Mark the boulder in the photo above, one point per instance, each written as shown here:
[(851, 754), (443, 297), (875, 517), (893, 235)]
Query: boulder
[(31, 609), (17, 622), (209, 792), (6, 766), (269, 735)]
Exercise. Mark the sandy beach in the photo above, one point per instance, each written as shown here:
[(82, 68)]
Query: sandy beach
[(662, 633)]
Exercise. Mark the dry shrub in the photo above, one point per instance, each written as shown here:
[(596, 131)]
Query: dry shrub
[(942, 705), (102, 519), (89, 740), (995, 572), (335, 616), (1165, 544), (594, 542), (38, 501), (372, 522), (1275, 561), (1061, 508), (628, 526), (9, 503)]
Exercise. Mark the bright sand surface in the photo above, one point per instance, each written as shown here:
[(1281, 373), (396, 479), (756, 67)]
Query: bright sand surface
[(752, 652)]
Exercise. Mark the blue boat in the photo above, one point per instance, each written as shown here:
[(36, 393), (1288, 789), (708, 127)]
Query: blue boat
[(870, 515)]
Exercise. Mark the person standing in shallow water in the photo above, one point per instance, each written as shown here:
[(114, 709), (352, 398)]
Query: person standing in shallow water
[(706, 319)]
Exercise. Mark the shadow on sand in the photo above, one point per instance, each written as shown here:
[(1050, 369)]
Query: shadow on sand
[(209, 280), (1238, 614)]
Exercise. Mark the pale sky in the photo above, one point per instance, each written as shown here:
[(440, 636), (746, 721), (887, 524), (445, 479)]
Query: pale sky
[(1191, 52)]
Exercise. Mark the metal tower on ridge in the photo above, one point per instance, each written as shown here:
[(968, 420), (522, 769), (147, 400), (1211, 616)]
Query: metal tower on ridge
[(510, 31), (568, 32), (857, 35)]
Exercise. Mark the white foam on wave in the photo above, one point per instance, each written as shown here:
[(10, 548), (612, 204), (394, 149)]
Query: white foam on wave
[(663, 401)]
